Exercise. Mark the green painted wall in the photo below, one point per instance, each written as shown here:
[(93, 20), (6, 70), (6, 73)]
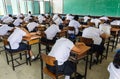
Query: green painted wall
[(9, 9), (48, 7), (36, 7), (92, 7)]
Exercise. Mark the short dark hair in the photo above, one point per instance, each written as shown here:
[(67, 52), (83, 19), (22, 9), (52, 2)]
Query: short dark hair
[(76, 17), (116, 60)]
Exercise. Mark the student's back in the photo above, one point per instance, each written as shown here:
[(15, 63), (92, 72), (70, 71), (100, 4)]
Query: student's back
[(114, 67)]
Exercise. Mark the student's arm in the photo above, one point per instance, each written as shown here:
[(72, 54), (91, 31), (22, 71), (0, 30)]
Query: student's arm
[(104, 35), (76, 47), (27, 33)]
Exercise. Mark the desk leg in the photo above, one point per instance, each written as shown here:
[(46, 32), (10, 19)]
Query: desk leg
[(107, 48), (29, 55), (38, 55), (75, 70), (86, 67)]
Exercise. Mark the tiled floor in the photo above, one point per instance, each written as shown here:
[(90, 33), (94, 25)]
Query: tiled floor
[(33, 72)]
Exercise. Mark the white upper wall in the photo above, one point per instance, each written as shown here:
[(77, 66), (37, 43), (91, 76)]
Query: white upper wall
[(57, 6)]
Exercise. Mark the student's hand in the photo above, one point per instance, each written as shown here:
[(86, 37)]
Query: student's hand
[(79, 44), (38, 33)]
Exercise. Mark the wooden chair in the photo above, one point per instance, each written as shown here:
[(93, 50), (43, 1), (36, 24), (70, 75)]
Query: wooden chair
[(61, 34), (1, 46), (45, 42), (49, 60), (13, 56)]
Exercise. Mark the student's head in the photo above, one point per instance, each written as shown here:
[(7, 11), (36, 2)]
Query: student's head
[(29, 12), (31, 20), (10, 15), (116, 61), (76, 17)]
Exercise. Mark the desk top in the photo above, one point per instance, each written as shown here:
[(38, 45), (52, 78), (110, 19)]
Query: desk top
[(31, 38), (83, 49)]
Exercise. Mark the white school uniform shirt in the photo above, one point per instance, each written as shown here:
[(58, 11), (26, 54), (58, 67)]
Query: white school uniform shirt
[(76, 25), (69, 17), (8, 20), (16, 37), (61, 50), (52, 31), (41, 18), (4, 29), (114, 72), (32, 25), (55, 17), (115, 22), (26, 19), (86, 18), (105, 28), (17, 22), (4, 17), (104, 18), (96, 21), (94, 33), (58, 21), (19, 16)]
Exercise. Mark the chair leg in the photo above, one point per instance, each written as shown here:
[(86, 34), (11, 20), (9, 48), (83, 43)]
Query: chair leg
[(26, 58), (90, 61), (101, 57), (20, 56), (7, 57), (12, 62)]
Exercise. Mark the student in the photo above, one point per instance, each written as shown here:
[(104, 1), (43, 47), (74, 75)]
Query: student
[(15, 40), (115, 22), (96, 21), (105, 27), (8, 20), (27, 18), (4, 17), (114, 67), (51, 32), (61, 51), (104, 18), (86, 18), (41, 19), (18, 21), (57, 19), (32, 25), (4, 29), (29, 13), (74, 23), (96, 35)]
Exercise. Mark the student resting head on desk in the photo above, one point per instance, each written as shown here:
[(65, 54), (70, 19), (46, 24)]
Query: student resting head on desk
[(97, 36), (15, 40), (51, 32), (114, 67), (61, 51)]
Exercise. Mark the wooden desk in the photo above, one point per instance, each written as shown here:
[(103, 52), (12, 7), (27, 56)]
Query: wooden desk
[(80, 55), (35, 39)]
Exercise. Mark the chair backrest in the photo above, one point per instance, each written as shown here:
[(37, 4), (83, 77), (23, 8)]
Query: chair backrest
[(61, 34), (71, 28), (6, 42), (87, 41), (91, 24), (48, 59)]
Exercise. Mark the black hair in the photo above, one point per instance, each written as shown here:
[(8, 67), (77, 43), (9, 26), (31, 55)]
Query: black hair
[(116, 61), (76, 17)]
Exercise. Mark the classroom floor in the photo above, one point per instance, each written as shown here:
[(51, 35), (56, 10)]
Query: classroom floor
[(33, 72)]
